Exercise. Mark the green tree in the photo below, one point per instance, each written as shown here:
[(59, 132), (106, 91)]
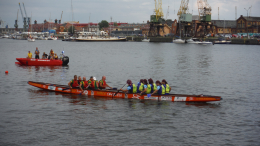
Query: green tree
[(115, 24), (71, 29), (103, 24)]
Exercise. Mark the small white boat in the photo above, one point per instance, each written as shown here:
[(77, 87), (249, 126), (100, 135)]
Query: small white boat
[(146, 40), (205, 43), (5, 36), (52, 38), (179, 41), (191, 41), (31, 39)]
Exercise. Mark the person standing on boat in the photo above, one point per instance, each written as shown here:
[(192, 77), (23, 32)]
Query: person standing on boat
[(29, 55), (73, 83), (166, 86), (37, 53), (147, 88), (160, 88), (44, 56), (83, 84), (103, 84), (153, 85), (140, 86), (131, 87)]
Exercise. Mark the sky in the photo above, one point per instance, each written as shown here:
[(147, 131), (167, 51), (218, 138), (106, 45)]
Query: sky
[(128, 11)]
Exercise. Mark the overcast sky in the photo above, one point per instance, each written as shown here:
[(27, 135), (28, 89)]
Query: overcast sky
[(131, 11)]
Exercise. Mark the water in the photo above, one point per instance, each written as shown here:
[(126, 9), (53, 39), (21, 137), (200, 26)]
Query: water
[(31, 116)]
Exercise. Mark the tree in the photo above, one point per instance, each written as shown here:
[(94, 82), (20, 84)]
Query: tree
[(115, 24), (103, 24), (71, 29)]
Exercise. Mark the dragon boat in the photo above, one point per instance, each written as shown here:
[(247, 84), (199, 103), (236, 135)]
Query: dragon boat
[(117, 94)]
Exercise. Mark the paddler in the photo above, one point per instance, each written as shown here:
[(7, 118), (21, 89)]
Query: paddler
[(103, 84), (37, 53), (79, 79), (83, 84), (140, 86), (167, 87), (147, 87), (94, 83), (131, 87), (160, 88), (29, 55), (73, 83), (153, 85)]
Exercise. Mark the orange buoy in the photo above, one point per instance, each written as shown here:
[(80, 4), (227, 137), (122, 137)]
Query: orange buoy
[(6, 72)]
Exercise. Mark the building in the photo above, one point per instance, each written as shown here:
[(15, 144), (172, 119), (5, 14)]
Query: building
[(250, 23), (224, 26), (10, 30)]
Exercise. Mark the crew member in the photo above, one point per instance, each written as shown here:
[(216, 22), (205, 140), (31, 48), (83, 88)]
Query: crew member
[(44, 56), (147, 88), (153, 85), (29, 55), (140, 86), (73, 83), (56, 56), (94, 83), (160, 89), (37, 53), (90, 81), (83, 84), (131, 87), (103, 84), (166, 86), (79, 79)]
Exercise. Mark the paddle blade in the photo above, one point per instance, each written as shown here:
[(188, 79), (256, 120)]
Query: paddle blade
[(148, 95), (114, 88)]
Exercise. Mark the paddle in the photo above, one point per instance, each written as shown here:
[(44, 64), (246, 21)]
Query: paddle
[(65, 89), (83, 90), (117, 92)]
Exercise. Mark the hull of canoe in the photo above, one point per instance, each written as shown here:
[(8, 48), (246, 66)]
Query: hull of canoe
[(39, 62), (110, 93)]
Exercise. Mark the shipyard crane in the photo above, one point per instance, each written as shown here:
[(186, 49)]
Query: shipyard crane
[(184, 9), (158, 9), (24, 18), (204, 10), (61, 16), (28, 18), (16, 22)]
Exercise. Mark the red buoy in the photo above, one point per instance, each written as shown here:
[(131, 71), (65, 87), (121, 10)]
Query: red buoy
[(6, 72)]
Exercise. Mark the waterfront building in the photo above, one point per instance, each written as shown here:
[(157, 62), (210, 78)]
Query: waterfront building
[(250, 23)]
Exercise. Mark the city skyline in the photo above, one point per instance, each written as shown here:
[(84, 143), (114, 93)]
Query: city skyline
[(129, 11)]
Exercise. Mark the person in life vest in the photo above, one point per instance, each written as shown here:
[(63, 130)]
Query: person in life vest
[(94, 83), (147, 88), (83, 84), (131, 87), (167, 87), (90, 81), (73, 83), (79, 79), (37, 53), (140, 86), (56, 56), (160, 89), (44, 56), (29, 55), (103, 84), (153, 85)]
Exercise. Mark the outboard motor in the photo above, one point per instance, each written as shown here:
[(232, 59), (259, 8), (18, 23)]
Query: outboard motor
[(65, 60)]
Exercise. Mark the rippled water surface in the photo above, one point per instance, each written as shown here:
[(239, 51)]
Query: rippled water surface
[(31, 116)]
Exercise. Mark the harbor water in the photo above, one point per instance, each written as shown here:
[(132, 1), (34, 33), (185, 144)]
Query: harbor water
[(31, 116)]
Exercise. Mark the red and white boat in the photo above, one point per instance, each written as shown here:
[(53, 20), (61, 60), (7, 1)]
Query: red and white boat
[(42, 62), (116, 94)]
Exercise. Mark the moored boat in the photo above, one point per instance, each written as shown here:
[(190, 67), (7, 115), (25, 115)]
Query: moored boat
[(179, 41), (43, 62), (116, 94)]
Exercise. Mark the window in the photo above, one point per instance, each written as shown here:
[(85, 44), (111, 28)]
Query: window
[(249, 23)]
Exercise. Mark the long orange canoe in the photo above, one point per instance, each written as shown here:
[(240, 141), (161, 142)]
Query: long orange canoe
[(111, 93)]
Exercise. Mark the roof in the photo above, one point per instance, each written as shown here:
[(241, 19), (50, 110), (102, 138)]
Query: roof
[(252, 18), (225, 23)]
